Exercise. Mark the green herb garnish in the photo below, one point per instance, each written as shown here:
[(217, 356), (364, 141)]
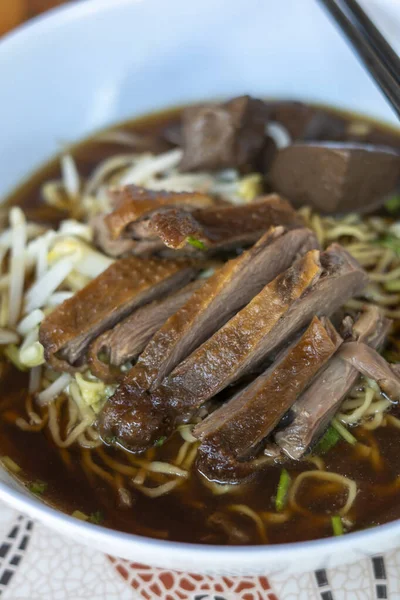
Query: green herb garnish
[(160, 441), (337, 525), (328, 440), (38, 487), (195, 243), (390, 241), (282, 491), (393, 204), (96, 517)]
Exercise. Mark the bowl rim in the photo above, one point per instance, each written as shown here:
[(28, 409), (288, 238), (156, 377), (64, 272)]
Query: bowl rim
[(106, 537), (51, 516)]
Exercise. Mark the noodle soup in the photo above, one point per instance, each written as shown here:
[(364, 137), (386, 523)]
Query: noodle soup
[(51, 436)]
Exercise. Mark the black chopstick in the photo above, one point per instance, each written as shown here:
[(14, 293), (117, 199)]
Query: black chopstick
[(376, 62), (381, 45)]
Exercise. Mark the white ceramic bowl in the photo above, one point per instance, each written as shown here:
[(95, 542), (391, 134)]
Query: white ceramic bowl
[(100, 61)]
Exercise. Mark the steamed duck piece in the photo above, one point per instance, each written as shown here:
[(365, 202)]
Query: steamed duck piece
[(225, 227), (314, 285), (235, 431), (313, 411), (335, 177), (130, 336), (372, 365), (210, 307), (127, 284), (228, 135)]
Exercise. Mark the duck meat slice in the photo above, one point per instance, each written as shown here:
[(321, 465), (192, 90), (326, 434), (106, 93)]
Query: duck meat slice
[(314, 285), (124, 230), (336, 177), (125, 285), (314, 410), (217, 136), (130, 336), (116, 248), (317, 284), (133, 203), (235, 431), (222, 227), (372, 365), (219, 298)]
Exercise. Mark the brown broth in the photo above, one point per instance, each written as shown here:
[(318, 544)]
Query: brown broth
[(183, 515)]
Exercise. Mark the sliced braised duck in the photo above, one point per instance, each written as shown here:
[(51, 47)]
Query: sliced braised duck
[(313, 411), (314, 285), (126, 229), (210, 307), (335, 177), (222, 227), (233, 432), (129, 337), (193, 231), (220, 297), (122, 246), (372, 365), (127, 284), (133, 203), (227, 135)]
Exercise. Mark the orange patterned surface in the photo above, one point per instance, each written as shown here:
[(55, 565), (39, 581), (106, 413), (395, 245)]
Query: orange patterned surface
[(153, 584), (14, 12)]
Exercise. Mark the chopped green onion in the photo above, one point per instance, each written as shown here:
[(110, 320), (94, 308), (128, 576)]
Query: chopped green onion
[(283, 488), (390, 241), (80, 515), (195, 242), (160, 441), (10, 464), (328, 441), (37, 487), (337, 525), (393, 204), (345, 433), (96, 517)]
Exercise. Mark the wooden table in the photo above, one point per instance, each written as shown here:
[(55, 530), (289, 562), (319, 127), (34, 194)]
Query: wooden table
[(14, 12)]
